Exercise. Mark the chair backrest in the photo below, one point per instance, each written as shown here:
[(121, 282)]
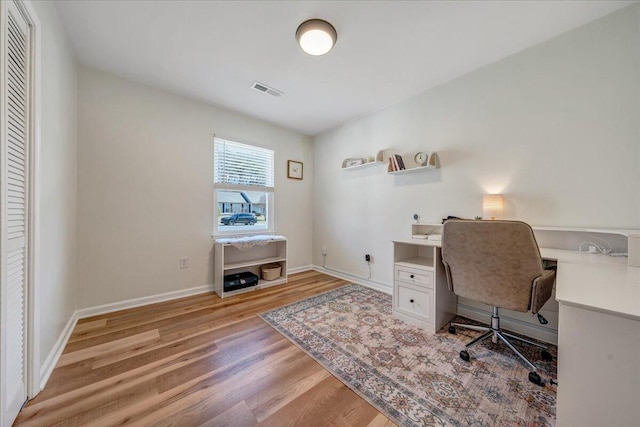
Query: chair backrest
[(494, 262)]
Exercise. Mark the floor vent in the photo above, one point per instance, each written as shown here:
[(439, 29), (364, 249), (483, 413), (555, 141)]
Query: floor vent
[(266, 89)]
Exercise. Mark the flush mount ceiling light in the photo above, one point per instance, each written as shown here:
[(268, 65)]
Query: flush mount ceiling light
[(316, 37)]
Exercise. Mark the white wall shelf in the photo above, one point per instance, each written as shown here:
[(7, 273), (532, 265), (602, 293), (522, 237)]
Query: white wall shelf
[(412, 170), (366, 161), (432, 163), (362, 166)]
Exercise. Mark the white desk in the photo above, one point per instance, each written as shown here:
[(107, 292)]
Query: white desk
[(598, 337), (598, 344)]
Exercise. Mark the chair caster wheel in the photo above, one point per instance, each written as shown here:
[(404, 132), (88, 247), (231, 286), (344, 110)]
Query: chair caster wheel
[(535, 378), (452, 330), (546, 355), (464, 355)]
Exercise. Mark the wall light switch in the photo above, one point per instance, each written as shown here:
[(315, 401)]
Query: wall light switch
[(184, 262)]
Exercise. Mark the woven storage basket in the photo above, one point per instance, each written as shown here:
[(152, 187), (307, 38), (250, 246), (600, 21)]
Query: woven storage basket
[(271, 271)]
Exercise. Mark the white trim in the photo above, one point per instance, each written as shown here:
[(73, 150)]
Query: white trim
[(514, 325), (52, 359), (387, 289), (299, 269), (33, 330), (138, 302)]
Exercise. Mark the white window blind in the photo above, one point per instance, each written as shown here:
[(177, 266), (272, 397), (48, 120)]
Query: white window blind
[(242, 166)]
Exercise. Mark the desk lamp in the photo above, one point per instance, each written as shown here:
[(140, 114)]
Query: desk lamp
[(492, 206)]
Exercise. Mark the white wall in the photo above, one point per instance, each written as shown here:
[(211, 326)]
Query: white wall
[(145, 195), (56, 254), (554, 128)]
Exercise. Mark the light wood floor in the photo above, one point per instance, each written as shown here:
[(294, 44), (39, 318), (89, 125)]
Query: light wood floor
[(194, 361)]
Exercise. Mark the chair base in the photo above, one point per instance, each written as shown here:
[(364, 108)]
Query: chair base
[(496, 334)]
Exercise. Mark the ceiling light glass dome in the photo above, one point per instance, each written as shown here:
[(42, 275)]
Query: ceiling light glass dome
[(316, 37)]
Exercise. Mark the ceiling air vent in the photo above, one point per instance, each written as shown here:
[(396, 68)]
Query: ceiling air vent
[(266, 89)]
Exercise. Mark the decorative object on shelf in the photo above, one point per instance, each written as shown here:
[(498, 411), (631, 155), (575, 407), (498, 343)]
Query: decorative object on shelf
[(492, 206), (421, 158), (294, 169), (316, 37), (352, 163), (271, 271)]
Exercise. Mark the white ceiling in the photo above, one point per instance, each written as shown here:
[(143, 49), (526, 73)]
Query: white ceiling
[(386, 50)]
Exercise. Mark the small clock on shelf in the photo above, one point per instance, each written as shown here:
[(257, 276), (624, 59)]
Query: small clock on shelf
[(421, 158), (429, 160)]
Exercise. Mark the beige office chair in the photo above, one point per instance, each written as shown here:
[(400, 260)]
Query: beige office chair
[(497, 263)]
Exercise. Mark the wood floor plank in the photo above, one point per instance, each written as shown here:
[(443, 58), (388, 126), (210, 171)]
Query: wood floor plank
[(381, 421), (311, 408), (183, 395), (277, 396), (237, 416), (122, 344), (85, 327), (199, 360)]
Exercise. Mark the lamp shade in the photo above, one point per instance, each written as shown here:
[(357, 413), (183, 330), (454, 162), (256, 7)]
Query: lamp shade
[(316, 37), (492, 206)]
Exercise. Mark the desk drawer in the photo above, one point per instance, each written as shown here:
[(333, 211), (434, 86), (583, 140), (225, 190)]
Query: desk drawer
[(415, 276), (414, 302)]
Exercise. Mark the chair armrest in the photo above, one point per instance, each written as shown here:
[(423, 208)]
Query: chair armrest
[(448, 274), (542, 289)]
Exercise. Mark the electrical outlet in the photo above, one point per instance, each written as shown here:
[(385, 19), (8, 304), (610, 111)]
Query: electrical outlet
[(367, 258), (184, 262), (592, 249), (324, 250)]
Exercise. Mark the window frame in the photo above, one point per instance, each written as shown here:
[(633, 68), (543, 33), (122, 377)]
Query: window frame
[(269, 192)]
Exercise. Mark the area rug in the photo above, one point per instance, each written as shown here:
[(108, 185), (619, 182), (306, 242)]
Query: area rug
[(413, 377)]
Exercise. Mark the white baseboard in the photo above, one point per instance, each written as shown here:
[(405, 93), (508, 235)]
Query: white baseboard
[(52, 359), (138, 302), (299, 269), (355, 279), (538, 332)]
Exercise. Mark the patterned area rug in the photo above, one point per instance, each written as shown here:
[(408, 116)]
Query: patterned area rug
[(413, 377)]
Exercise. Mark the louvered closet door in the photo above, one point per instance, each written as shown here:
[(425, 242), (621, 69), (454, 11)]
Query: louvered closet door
[(14, 205)]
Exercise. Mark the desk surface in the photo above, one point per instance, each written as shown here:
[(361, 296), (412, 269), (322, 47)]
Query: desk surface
[(592, 281), (608, 288)]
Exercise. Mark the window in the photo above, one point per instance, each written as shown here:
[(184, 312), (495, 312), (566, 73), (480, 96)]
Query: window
[(243, 187)]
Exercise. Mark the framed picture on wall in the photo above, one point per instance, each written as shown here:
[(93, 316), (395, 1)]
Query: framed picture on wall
[(294, 169)]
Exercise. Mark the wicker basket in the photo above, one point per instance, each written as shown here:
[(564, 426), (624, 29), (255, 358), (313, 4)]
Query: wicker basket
[(271, 271)]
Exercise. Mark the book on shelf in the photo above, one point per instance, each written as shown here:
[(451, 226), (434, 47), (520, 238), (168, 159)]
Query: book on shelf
[(392, 166), (399, 162)]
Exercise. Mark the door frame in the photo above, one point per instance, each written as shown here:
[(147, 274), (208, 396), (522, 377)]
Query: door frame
[(32, 332)]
